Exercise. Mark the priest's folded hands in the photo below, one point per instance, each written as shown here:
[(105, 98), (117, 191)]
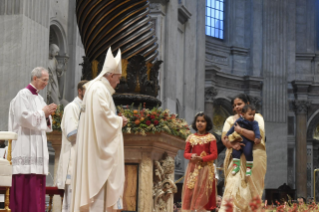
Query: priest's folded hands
[(49, 109)]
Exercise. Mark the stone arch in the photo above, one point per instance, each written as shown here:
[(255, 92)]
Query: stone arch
[(224, 103), (222, 109), (312, 125), (58, 36)]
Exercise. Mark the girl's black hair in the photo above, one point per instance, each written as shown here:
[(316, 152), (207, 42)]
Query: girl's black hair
[(209, 122), (245, 98)]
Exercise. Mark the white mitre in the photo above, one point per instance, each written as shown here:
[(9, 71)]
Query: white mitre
[(111, 65)]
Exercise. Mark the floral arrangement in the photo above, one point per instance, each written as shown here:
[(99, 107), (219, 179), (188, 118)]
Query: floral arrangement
[(142, 121), (57, 118), (256, 205)]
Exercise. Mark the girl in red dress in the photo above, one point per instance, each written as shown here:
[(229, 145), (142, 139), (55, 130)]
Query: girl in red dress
[(199, 191)]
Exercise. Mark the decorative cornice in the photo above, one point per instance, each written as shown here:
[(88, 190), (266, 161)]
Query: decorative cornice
[(210, 94), (163, 2), (301, 106), (230, 81), (238, 51), (156, 8), (301, 88), (305, 56), (183, 14)]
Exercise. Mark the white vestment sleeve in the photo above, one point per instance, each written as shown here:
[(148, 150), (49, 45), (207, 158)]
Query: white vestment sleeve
[(34, 120), (71, 123)]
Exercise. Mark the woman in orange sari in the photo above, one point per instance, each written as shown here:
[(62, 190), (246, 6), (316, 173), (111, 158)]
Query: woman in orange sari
[(199, 193), (239, 188)]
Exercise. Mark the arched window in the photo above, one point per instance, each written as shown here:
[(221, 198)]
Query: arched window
[(215, 18)]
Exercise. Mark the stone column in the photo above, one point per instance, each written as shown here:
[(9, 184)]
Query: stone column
[(301, 107)]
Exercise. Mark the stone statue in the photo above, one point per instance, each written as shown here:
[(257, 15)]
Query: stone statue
[(163, 184), (55, 71)]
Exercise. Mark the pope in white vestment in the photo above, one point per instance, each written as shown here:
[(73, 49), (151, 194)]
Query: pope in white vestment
[(29, 117), (69, 127), (98, 176)]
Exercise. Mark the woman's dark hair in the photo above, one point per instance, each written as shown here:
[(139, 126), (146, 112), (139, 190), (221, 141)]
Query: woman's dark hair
[(242, 97), (209, 122)]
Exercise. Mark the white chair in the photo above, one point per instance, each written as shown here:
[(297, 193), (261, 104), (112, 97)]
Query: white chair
[(6, 169)]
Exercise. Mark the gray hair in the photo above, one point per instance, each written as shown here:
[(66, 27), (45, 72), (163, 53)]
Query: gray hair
[(37, 72), (107, 74)]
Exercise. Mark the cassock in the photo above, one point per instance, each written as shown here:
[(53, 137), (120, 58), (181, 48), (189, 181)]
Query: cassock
[(98, 177), (69, 126), (30, 156)]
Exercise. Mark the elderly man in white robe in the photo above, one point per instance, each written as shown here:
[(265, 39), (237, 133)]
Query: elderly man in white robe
[(29, 117), (98, 177), (69, 126)]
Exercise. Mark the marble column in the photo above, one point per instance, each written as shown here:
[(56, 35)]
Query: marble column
[(301, 107)]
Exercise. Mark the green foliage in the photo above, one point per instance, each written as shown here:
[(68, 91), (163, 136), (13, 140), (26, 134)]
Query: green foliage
[(57, 118)]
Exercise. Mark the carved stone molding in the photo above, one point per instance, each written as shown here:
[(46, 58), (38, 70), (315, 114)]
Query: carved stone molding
[(239, 51), (163, 2), (305, 56), (210, 94), (156, 8), (164, 186), (301, 106), (183, 14)]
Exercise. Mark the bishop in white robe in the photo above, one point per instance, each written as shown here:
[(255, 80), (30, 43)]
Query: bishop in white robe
[(69, 126), (98, 177), (29, 117)]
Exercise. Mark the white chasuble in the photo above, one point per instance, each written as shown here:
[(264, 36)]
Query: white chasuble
[(27, 119), (99, 164), (69, 127)]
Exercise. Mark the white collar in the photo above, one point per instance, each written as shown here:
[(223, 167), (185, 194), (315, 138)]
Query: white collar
[(34, 87), (108, 85), (78, 101)]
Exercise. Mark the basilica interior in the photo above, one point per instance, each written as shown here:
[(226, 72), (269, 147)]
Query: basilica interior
[(184, 56)]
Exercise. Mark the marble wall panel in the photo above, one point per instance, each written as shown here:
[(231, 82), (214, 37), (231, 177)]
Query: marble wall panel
[(23, 46)]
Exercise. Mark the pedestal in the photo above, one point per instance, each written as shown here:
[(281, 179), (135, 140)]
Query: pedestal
[(56, 139), (153, 153), (149, 162)]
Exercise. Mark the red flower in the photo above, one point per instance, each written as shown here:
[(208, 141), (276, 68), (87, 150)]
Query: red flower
[(229, 205), (148, 122), (152, 117), (156, 122)]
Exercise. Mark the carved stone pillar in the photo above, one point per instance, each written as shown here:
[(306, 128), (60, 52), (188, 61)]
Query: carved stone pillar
[(301, 107)]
